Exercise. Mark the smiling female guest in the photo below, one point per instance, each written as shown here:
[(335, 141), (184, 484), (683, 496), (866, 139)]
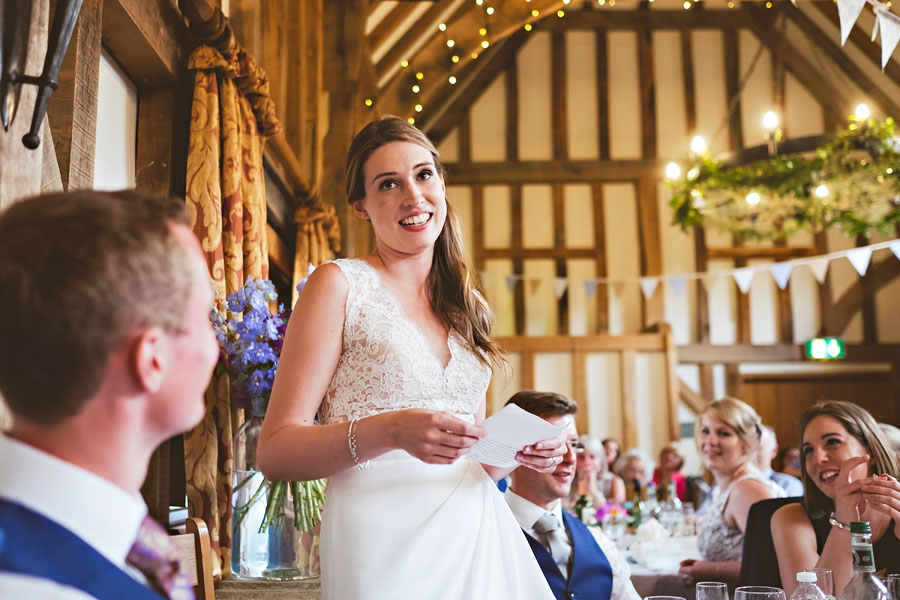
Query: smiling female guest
[(727, 436), (394, 353), (849, 473)]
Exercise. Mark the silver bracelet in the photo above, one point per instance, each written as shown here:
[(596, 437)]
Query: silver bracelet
[(839, 524), (351, 443)]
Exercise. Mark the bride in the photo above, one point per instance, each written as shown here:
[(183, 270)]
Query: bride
[(394, 353)]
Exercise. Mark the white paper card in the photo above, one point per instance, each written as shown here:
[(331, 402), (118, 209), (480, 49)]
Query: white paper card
[(508, 431)]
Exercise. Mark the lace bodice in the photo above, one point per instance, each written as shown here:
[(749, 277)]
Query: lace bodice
[(717, 540), (386, 363)]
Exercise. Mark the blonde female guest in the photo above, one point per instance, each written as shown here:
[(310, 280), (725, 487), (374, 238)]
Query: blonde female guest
[(727, 437), (394, 353), (593, 477), (849, 473)]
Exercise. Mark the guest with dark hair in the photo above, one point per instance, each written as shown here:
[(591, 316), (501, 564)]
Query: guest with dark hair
[(849, 472), (789, 460), (669, 469)]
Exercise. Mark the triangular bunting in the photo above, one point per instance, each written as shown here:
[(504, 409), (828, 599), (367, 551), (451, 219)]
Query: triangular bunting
[(590, 287), (648, 286), (511, 282), (618, 287), (677, 283), (744, 277), (560, 286), (819, 269), (895, 248), (875, 29), (848, 11), (710, 281), (781, 272), (533, 286), (890, 34), (859, 258)]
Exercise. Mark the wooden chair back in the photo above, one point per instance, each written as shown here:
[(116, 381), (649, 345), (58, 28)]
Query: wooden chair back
[(195, 554)]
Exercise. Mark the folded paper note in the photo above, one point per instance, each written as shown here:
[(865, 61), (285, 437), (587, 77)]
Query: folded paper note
[(508, 431)]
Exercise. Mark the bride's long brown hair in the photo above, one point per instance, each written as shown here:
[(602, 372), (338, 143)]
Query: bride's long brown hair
[(453, 297)]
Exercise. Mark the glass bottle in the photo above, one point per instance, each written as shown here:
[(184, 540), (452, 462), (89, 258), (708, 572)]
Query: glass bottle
[(671, 516), (250, 547), (651, 505), (863, 585), (637, 507), (584, 507)]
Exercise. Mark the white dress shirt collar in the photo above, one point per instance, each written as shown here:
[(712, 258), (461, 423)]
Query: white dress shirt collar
[(96, 510), (527, 513)]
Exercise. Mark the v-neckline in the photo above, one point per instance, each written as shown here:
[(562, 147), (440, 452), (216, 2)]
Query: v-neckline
[(398, 306)]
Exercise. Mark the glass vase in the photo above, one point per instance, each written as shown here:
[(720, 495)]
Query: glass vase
[(266, 544)]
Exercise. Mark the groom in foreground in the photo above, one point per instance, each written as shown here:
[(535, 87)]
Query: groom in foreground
[(106, 349), (579, 563)]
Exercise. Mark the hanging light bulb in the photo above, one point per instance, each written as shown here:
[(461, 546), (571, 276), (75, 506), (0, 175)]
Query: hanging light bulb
[(752, 198), (822, 191), (527, 26), (404, 63), (698, 145), (416, 89), (420, 75), (862, 112), (452, 80), (489, 10), (442, 27), (418, 107), (770, 121), (369, 102), (454, 58), (450, 43), (673, 171)]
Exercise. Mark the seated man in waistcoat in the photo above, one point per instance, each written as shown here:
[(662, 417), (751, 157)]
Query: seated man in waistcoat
[(106, 350), (578, 562)]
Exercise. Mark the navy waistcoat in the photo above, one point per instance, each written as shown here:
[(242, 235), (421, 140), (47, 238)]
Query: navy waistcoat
[(33, 545), (590, 576)]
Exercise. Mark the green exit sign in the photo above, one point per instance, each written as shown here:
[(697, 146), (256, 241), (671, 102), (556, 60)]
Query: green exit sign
[(828, 348)]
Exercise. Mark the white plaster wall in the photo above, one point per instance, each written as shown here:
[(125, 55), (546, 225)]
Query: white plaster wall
[(487, 118), (117, 105), (533, 73), (620, 220), (581, 95), (624, 95)]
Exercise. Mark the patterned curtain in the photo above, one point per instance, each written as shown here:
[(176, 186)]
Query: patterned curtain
[(231, 115), (318, 238)]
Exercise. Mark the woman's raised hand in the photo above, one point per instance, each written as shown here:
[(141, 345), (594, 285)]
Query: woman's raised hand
[(432, 436), (545, 455), (882, 494), (849, 502)]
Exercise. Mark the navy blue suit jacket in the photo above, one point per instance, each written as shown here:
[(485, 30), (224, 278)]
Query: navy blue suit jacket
[(590, 575)]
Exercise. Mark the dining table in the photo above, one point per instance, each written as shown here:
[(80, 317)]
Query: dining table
[(655, 563)]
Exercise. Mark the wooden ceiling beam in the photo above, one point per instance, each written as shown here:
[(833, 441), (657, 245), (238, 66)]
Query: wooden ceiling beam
[(773, 252), (439, 120), (645, 19), (840, 58), (389, 24), (553, 171), (424, 27), (146, 38), (834, 104), (434, 58)]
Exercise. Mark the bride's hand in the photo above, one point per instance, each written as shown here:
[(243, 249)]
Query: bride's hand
[(432, 436), (544, 456)]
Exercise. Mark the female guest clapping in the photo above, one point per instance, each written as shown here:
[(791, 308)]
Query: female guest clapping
[(849, 473), (727, 436)]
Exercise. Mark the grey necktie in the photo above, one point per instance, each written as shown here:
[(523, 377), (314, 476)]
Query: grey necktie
[(555, 539)]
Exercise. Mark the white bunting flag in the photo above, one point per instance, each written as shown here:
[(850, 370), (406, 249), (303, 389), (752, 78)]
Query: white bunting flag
[(590, 287), (744, 278), (848, 11), (560, 285), (677, 283), (533, 286), (819, 269), (890, 33), (618, 287), (648, 286), (859, 258), (781, 272), (511, 282), (895, 248), (875, 28)]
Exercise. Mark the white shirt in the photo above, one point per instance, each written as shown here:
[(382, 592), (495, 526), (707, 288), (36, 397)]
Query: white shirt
[(527, 513), (102, 514)]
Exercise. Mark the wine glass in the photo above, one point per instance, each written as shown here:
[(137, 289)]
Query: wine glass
[(664, 598), (711, 590), (825, 581), (759, 592)]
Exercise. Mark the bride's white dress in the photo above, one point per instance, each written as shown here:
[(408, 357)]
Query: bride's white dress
[(403, 528)]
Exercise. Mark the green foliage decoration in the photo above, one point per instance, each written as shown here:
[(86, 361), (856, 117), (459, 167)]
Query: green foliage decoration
[(859, 168)]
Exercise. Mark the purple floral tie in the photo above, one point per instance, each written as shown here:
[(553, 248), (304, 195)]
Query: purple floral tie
[(154, 555)]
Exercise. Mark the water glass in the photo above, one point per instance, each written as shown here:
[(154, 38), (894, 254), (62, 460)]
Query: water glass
[(664, 598), (759, 592), (689, 522), (825, 581), (711, 590), (892, 582)]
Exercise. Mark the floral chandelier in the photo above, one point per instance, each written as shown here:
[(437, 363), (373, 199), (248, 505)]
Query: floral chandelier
[(850, 181)]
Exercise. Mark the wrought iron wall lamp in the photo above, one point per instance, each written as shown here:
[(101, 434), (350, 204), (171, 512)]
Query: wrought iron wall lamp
[(16, 27)]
